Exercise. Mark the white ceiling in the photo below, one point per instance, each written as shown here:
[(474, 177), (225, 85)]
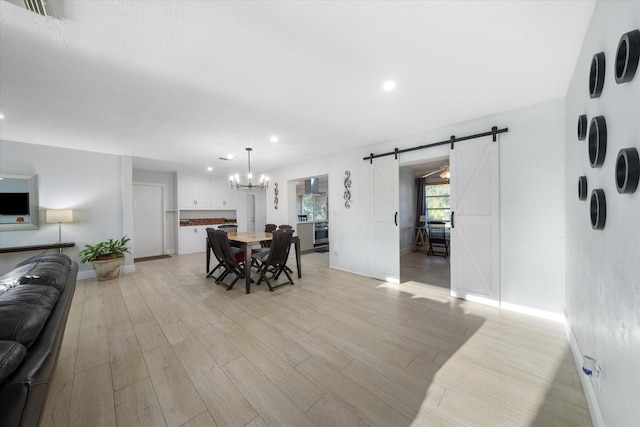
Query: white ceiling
[(186, 82)]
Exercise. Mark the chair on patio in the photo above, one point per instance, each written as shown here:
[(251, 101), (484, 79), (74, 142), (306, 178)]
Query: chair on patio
[(272, 263)]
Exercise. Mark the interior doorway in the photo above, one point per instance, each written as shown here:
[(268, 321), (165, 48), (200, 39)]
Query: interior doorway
[(251, 212), (415, 263), (148, 220)]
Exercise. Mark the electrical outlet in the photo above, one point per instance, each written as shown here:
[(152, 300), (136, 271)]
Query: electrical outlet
[(596, 379)]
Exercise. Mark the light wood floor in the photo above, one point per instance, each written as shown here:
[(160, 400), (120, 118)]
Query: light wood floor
[(165, 346), (433, 270)]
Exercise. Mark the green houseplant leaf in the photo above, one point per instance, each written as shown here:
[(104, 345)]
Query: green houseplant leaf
[(104, 250)]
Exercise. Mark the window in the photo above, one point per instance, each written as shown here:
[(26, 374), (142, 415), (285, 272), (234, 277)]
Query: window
[(437, 202), (314, 207)]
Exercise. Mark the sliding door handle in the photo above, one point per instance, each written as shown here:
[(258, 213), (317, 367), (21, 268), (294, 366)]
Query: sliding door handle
[(452, 222), (395, 219)]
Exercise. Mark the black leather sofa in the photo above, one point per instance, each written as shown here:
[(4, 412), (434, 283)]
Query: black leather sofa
[(35, 298)]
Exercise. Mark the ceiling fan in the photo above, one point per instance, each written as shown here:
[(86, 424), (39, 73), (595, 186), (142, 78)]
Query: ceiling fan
[(443, 170)]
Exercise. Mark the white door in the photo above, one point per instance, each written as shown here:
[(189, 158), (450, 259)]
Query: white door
[(251, 213), (148, 220), (386, 235), (475, 233)]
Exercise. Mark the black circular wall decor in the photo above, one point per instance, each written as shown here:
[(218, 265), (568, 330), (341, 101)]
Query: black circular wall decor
[(627, 56), (597, 141), (582, 188), (627, 170), (596, 75), (582, 127), (598, 209)]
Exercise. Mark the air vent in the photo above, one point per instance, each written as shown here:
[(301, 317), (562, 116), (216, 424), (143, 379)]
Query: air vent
[(41, 7)]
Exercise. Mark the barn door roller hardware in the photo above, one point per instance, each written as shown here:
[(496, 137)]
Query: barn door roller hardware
[(493, 132)]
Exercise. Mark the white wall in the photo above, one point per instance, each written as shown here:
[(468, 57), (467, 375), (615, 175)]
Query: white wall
[(89, 183), (532, 228), (407, 214), (531, 162), (603, 267)]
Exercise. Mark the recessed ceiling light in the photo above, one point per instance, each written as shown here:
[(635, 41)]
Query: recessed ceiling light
[(1, 116), (209, 168), (273, 139), (389, 85), (229, 156)]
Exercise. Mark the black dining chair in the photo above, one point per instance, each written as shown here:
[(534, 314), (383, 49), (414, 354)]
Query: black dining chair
[(438, 242), (274, 262), (232, 262), (213, 247)]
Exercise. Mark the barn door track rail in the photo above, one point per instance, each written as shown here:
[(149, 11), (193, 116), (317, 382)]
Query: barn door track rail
[(493, 132)]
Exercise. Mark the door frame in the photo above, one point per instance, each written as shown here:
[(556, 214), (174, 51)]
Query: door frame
[(248, 211), (162, 211)]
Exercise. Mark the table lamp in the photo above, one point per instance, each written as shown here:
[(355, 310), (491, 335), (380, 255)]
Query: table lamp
[(59, 216)]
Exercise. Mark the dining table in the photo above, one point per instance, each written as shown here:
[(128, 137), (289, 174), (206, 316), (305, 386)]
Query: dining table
[(247, 239)]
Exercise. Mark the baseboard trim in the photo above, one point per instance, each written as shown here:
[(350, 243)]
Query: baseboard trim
[(543, 314), (587, 385)]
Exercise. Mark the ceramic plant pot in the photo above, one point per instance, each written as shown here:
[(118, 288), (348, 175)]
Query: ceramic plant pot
[(107, 269)]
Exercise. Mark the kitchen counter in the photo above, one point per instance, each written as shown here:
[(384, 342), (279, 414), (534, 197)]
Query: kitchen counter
[(207, 221)]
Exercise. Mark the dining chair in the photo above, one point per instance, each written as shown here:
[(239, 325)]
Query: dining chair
[(215, 248), (438, 242), (233, 262), (274, 262), (287, 227), (229, 228)]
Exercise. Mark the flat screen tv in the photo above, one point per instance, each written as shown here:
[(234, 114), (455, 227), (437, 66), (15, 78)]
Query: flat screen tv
[(14, 203)]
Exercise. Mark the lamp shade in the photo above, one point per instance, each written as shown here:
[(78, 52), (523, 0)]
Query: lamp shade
[(423, 218), (59, 215)]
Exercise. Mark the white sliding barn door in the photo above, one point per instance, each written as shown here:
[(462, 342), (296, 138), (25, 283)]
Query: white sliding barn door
[(475, 209), (386, 235)]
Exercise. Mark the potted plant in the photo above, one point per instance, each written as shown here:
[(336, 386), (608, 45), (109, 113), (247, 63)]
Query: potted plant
[(106, 257)]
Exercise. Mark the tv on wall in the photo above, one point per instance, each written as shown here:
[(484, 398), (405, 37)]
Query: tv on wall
[(14, 203)]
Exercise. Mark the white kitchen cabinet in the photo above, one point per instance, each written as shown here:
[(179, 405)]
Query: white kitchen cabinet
[(305, 233), (223, 195), (192, 239), (195, 192)]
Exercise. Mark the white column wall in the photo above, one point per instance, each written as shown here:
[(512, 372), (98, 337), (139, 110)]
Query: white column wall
[(603, 266)]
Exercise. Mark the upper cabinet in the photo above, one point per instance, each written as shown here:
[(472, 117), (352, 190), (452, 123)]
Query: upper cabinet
[(204, 192), (223, 196), (195, 192)]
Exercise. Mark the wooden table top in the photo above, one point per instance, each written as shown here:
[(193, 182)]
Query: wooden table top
[(250, 236)]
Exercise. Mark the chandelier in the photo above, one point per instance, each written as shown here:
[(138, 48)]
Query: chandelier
[(235, 179)]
